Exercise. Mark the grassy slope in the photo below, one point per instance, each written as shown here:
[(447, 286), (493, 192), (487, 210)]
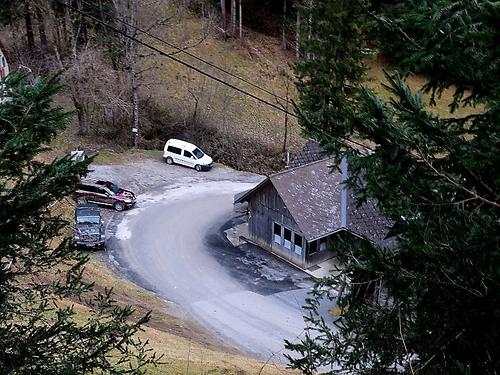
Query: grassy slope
[(259, 60), (183, 355)]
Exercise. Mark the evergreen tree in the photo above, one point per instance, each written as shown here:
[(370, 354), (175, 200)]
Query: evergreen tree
[(328, 82), (438, 180), (40, 270)]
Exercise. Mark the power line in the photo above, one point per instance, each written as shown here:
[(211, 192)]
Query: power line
[(217, 79), (183, 50), (162, 53)]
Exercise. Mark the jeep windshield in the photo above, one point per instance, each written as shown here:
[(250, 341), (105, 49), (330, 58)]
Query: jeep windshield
[(198, 153), (88, 219)]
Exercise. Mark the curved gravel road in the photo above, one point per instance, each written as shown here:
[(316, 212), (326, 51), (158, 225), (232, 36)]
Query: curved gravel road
[(165, 244), (172, 244)]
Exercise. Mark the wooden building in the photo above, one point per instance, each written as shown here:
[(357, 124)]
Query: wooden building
[(297, 212)]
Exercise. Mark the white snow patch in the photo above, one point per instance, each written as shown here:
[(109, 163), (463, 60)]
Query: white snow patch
[(123, 231)]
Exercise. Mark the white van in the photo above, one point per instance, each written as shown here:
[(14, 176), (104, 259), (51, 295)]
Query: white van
[(184, 153)]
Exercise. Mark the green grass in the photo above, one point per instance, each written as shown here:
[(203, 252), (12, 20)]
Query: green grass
[(376, 78)]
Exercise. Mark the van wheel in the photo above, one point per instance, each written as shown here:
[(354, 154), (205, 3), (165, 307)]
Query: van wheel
[(197, 167), (119, 206), (169, 160)]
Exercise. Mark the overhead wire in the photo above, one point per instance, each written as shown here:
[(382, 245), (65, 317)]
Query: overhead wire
[(190, 66), (182, 62), (183, 50)]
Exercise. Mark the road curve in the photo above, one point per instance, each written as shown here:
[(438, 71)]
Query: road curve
[(163, 242)]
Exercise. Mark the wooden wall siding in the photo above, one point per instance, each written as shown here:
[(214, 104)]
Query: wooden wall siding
[(266, 207)]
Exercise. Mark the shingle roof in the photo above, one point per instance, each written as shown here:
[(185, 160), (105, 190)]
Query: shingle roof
[(312, 151), (367, 221), (312, 195)]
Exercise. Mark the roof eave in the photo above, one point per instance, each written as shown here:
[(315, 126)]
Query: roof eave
[(244, 197)]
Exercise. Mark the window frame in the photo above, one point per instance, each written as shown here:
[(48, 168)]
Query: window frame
[(301, 247), (287, 244), (174, 150), (280, 235)]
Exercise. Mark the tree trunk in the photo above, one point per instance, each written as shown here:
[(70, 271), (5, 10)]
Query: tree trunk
[(297, 36), (41, 27), (241, 21), (233, 17), (79, 24), (29, 26), (309, 31), (81, 113), (223, 14), (283, 27), (56, 30)]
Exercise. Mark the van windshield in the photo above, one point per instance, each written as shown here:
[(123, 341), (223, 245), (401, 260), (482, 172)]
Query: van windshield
[(198, 153)]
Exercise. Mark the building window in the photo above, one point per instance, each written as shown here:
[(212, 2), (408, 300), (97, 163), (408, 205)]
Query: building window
[(297, 243), (288, 238), (313, 247), (322, 244), (277, 233)]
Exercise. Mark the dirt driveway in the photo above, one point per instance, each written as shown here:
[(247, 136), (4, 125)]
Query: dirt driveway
[(172, 243)]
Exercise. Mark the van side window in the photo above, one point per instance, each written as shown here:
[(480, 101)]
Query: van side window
[(174, 150)]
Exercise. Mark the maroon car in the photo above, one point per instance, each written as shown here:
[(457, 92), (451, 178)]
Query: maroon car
[(104, 193)]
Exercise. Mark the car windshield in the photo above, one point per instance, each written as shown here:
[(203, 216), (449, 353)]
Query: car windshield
[(88, 219), (198, 153), (115, 189)]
